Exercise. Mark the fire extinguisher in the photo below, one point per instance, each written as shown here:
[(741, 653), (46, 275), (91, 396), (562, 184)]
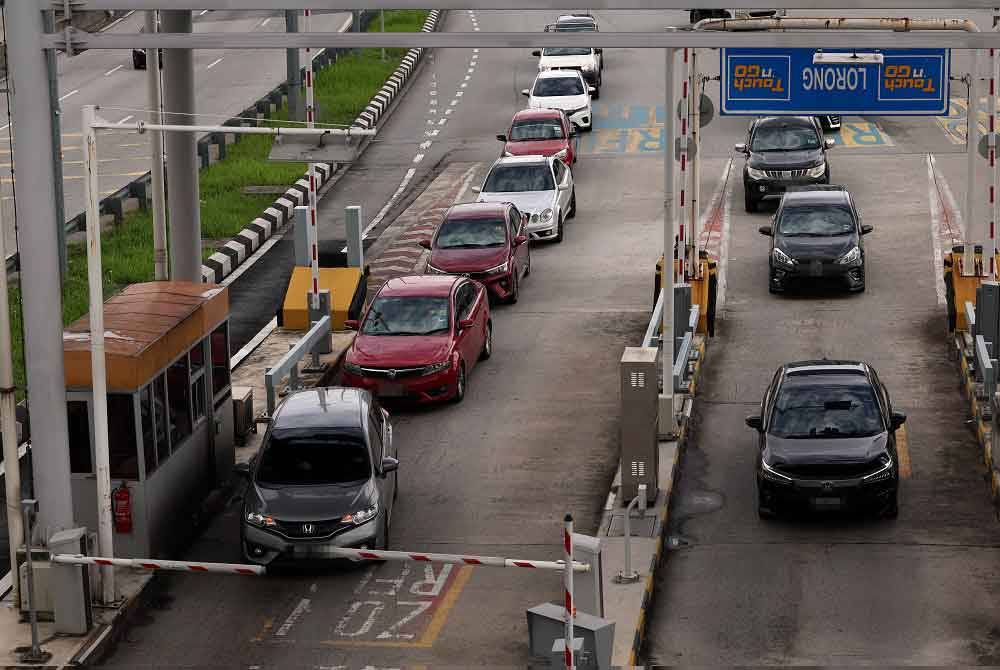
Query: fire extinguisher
[(121, 506)]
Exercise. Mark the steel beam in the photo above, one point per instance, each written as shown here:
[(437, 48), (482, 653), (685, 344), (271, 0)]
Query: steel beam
[(545, 5), (608, 40)]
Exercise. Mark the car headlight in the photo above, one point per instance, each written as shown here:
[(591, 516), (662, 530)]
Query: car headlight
[(259, 520), (772, 475), (545, 216), (431, 270), (435, 368), (561, 154), (353, 369), (883, 473), (817, 171), (781, 258), (754, 173), (361, 516), (852, 256), (500, 269), (507, 154)]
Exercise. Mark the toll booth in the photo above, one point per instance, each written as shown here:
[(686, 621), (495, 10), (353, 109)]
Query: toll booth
[(170, 411)]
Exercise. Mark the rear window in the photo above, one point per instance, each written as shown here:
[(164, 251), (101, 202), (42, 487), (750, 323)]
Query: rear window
[(313, 460)]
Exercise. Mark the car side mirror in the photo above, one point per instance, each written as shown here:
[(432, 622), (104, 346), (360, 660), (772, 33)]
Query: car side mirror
[(829, 144), (466, 323), (740, 148), (426, 244), (754, 421), (242, 470), (898, 419), (476, 189), (525, 93), (351, 324), (389, 464), (502, 137), (766, 230), (536, 53), (519, 240), (591, 90), (866, 228)]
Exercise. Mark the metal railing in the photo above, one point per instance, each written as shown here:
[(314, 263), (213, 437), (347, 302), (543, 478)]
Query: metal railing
[(684, 349), (984, 366), (289, 363)]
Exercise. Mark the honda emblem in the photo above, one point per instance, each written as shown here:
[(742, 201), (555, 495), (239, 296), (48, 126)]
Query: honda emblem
[(308, 529)]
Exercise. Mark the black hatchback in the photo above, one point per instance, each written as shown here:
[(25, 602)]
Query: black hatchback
[(816, 234), (826, 437)]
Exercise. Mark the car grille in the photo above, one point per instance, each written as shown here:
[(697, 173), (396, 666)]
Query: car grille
[(316, 529), (393, 373), (785, 174), (829, 470)]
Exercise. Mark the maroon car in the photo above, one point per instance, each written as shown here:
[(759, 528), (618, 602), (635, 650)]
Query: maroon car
[(420, 338), (485, 241), (541, 132)]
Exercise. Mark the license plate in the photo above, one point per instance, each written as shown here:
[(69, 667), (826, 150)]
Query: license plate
[(827, 503), (391, 390), (816, 268), (313, 550)]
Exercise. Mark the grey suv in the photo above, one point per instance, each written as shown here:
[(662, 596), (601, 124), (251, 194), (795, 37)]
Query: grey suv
[(324, 477)]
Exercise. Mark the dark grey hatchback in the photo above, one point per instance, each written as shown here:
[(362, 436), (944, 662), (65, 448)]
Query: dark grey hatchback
[(816, 235), (324, 477), (826, 437)]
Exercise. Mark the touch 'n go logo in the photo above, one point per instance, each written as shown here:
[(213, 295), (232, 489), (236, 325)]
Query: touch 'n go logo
[(756, 78)]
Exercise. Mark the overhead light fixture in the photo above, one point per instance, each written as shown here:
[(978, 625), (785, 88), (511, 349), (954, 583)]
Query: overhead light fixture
[(845, 58)]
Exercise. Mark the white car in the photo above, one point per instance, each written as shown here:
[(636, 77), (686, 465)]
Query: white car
[(539, 186), (586, 61), (565, 90)]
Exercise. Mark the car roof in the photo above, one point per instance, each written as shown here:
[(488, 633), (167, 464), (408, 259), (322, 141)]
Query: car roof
[(539, 113), (558, 74), (325, 407), (825, 367), (816, 195), (532, 159), (432, 286), (786, 121), (477, 210)]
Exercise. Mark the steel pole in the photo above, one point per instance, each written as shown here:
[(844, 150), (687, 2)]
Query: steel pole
[(381, 22), (313, 235), (568, 584), (293, 68), (695, 166), (98, 376), (666, 419), (973, 226), (53, 80), (8, 425), (161, 271), (40, 286), (682, 204), (182, 150)]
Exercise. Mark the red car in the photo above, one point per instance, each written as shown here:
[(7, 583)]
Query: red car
[(485, 241), (420, 338), (541, 132)]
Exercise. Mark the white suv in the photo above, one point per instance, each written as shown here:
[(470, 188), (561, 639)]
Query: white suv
[(586, 61), (566, 90)]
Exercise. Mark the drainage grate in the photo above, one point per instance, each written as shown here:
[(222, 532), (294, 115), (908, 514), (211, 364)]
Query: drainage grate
[(639, 526)]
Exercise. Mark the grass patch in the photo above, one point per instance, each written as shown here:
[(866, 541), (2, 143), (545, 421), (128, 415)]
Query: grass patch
[(342, 90)]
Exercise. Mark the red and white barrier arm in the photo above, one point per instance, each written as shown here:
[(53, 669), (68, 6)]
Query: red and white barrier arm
[(457, 559), (157, 564)]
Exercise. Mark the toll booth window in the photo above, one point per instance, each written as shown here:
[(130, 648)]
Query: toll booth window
[(179, 401), (148, 441), (197, 356), (220, 359), (123, 454), (78, 416), (160, 418)]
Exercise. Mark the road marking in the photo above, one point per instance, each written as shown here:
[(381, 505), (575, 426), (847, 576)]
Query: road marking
[(214, 63), (203, 12), (937, 257), (862, 134), (432, 133), (442, 122), (266, 21), (125, 119), (73, 92), (903, 451), (418, 158), (300, 610), (5, 127), (113, 70), (248, 348), (389, 204), (268, 625), (426, 144)]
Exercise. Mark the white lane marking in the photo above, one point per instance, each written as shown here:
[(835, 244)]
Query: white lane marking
[(458, 94), (950, 197), (468, 77), (453, 102), (432, 133), (472, 70), (113, 70), (475, 51), (117, 21), (469, 174), (449, 111), (266, 21), (214, 63), (254, 341), (249, 262), (936, 258), (434, 92), (418, 158), (300, 610), (475, 28), (203, 12), (73, 92), (425, 145), (442, 122), (464, 84), (434, 102), (388, 205), (5, 127), (125, 120)]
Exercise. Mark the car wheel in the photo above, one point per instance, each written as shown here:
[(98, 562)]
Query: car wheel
[(488, 342), (571, 214), (460, 383), (749, 203), (515, 289), (559, 231)]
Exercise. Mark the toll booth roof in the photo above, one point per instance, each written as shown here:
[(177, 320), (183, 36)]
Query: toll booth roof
[(146, 327)]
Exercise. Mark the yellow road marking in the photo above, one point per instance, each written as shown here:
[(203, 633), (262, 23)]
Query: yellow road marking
[(434, 628), (903, 451), (268, 625)]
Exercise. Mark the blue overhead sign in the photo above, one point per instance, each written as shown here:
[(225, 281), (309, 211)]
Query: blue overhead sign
[(795, 81)]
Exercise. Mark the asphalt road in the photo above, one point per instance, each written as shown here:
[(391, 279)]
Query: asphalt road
[(537, 434), (225, 83)]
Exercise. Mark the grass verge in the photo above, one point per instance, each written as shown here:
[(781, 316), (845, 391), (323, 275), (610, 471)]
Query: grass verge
[(342, 90)]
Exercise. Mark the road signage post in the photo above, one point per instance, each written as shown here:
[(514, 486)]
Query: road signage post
[(891, 82)]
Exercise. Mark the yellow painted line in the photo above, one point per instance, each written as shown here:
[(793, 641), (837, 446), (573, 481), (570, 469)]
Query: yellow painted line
[(903, 451), (268, 625), (434, 628)]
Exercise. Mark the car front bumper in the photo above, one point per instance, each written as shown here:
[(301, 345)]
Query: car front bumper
[(774, 188), (826, 495), (421, 389), (783, 276), (264, 547)]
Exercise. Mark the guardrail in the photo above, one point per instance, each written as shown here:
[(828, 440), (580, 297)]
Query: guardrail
[(289, 363), (984, 366), (684, 350)]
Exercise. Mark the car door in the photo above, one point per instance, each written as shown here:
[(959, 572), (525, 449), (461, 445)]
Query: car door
[(569, 133), (463, 297)]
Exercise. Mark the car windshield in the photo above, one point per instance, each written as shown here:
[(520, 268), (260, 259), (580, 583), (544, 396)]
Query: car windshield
[(565, 51), (785, 138), (309, 460), (536, 129), (825, 407), (571, 26), (471, 234), (407, 315), (551, 87), (816, 221), (516, 178)]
